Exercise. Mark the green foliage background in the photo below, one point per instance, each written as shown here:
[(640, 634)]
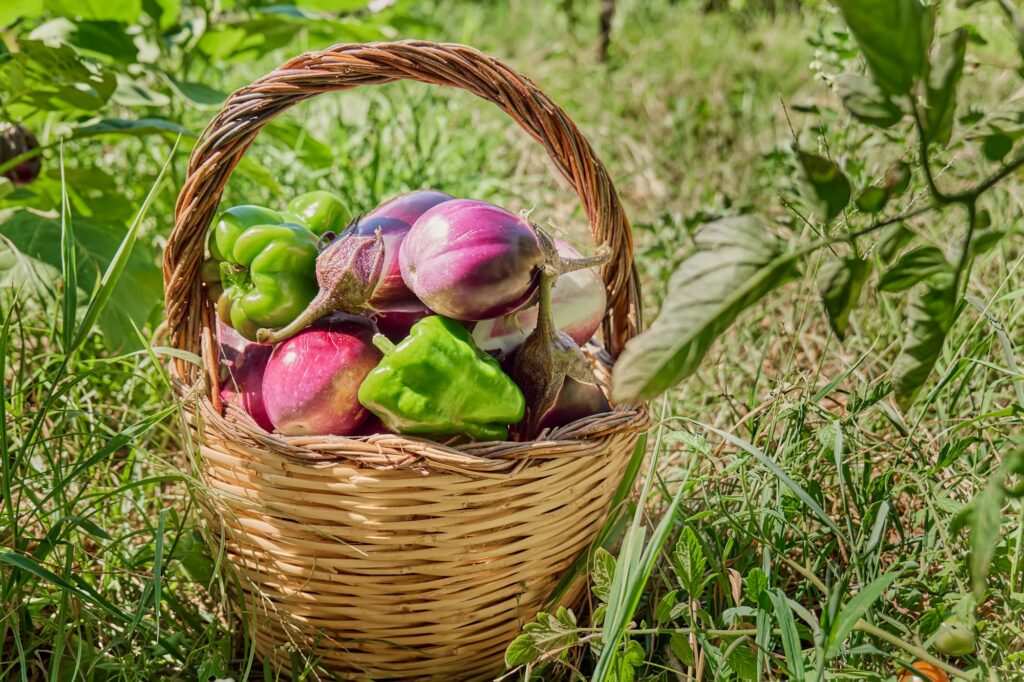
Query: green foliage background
[(826, 202)]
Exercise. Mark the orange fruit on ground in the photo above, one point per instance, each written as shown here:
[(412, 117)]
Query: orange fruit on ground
[(924, 672)]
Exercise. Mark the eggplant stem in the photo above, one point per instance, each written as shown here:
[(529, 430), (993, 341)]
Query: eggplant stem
[(321, 305), (560, 265)]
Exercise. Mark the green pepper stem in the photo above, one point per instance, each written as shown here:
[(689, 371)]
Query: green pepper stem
[(383, 343)]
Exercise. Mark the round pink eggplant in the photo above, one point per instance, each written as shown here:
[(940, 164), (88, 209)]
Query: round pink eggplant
[(471, 260), (578, 303), (312, 380)]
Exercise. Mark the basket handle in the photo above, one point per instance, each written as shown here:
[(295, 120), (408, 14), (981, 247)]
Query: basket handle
[(246, 111)]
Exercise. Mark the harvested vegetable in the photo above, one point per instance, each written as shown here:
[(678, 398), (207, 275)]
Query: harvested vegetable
[(577, 302), (471, 260), (436, 382), (556, 378), (319, 212), (244, 383), (311, 381), (394, 219), (265, 270)]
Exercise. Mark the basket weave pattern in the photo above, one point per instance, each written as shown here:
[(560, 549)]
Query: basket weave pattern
[(390, 557)]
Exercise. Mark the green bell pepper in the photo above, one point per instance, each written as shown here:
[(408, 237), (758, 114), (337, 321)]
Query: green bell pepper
[(437, 382), (267, 269), (319, 211)]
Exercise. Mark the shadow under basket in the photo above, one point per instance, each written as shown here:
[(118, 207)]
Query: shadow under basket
[(388, 557)]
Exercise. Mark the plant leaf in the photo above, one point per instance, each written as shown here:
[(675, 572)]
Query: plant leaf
[(866, 102), (825, 185), (602, 573), (947, 66), (138, 127), (893, 36), (840, 282), (546, 635), (855, 609), (894, 238), (930, 315), (986, 517), (125, 11), (913, 267), (663, 611), (737, 263), (790, 635), (872, 199)]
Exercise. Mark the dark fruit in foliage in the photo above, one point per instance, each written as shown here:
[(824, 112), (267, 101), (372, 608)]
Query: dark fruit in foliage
[(549, 367), (15, 140)]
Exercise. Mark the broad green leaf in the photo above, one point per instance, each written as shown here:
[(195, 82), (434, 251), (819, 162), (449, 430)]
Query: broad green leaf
[(248, 40), (190, 551), (985, 240), (872, 200), (737, 263), (754, 585), (197, 93), (894, 36), (913, 267), (689, 563), (663, 611), (165, 12), (550, 633), (840, 282), (867, 102), (138, 127), (55, 77), (743, 661), (125, 11), (680, 646), (985, 517), (894, 238), (997, 146), (790, 635), (602, 573), (855, 609), (12, 10), (930, 315), (947, 66), (134, 93), (825, 186), (138, 292), (627, 661)]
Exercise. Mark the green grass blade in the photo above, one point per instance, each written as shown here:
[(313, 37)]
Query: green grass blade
[(105, 290), (790, 635), (69, 269), (795, 487), (855, 609)]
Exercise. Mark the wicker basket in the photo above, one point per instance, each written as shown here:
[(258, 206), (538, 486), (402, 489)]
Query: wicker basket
[(388, 557)]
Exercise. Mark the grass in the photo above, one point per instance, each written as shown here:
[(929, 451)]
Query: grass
[(798, 496)]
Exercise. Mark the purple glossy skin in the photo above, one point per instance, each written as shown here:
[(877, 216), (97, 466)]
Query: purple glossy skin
[(396, 325), (245, 363), (311, 382), (578, 302), (471, 260), (395, 218)]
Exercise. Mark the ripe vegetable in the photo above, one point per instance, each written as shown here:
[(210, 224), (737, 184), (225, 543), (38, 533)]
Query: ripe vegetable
[(471, 260), (437, 382), (394, 219), (577, 302), (396, 325), (311, 381), (924, 672), (954, 638), (15, 140), (266, 270), (244, 383), (318, 211), (358, 271), (557, 380)]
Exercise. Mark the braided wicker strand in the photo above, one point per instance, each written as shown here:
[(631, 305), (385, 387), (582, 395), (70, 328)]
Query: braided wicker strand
[(390, 557)]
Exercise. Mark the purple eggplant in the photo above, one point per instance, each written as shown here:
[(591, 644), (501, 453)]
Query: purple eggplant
[(554, 375), (578, 303), (471, 260), (358, 270), (15, 140), (394, 219), (243, 365)]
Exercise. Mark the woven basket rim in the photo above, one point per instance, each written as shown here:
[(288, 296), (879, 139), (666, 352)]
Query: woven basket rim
[(344, 66)]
